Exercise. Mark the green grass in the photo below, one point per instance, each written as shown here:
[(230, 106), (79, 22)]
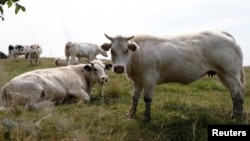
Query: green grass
[(179, 112)]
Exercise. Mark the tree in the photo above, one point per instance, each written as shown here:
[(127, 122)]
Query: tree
[(10, 3)]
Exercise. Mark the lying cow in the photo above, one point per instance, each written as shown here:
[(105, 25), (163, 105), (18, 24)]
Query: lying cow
[(150, 60), (16, 50), (79, 50), (3, 55), (62, 61), (34, 53), (44, 87)]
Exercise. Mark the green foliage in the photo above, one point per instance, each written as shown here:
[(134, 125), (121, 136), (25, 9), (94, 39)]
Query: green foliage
[(180, 113), (10, 3), (18, 7)]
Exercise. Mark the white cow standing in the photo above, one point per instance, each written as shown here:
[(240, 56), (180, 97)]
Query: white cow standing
[(150, 60), (44, 87), (34, 53), (87, 50)]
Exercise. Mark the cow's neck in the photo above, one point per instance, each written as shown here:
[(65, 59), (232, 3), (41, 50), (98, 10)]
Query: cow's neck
[(132, 68), (89, 84)]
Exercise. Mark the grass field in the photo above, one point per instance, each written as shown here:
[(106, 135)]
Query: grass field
[(180, 113)]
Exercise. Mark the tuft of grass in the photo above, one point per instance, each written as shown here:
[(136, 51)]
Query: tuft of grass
[(179, 112)]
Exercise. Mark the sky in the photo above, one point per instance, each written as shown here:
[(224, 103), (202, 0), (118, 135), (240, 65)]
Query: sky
[(53, 23)]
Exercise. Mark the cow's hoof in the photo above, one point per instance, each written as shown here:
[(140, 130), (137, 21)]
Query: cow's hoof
[(131, 114), (237, 116), (146, 119)]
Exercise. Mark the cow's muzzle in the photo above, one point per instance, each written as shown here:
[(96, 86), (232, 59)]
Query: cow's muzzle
[(104, 80), (119, 69)]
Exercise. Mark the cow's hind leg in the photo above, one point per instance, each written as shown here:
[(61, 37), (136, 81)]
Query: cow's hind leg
[(136, 95), (72, 60), (36, 98), (67, 60), (236, 88), (148, 97), (149, 87)]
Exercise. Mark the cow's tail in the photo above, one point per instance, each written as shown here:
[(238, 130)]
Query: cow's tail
[(229, 35), (67, 49), (4, 99), (242, 76)]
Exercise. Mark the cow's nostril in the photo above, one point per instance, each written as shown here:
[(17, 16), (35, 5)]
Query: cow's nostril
[(104, 79), (119, 69), (115, 68)]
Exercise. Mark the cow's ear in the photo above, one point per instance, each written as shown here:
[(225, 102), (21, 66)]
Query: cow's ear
[(87, 68), (133, 46), (106, 46), (108, 66)]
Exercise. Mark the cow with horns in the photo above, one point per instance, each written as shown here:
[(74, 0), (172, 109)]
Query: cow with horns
[(150, 60)]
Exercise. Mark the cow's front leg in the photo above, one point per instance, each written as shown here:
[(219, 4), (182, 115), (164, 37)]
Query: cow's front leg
[(147, 113), (149, 88), (132, 111), (136, 95), (80, 94)]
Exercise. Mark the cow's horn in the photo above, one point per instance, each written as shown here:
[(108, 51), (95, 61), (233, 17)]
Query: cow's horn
[(111, 39), (91, 63), (129, 38)]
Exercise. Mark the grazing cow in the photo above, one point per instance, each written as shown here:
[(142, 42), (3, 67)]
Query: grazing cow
[(62, 61), (34, 53), (3, 55), (16, 50), (79, 50), (150, 60), (44, 87)]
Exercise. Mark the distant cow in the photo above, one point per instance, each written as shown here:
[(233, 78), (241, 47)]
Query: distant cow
[(44, 87), (59, 61), (34, 53), (3, 55), (150, 60), (16, 50), (87, 50)]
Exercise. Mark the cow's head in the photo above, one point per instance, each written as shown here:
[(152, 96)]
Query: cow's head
[(121, 49), (97, 71), (35, 49)]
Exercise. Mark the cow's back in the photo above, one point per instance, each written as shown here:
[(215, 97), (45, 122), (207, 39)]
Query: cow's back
[(79, 49), (51, 84), (184, 58)]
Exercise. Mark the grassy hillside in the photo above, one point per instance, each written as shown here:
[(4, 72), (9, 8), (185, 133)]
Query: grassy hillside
[(179, 112)]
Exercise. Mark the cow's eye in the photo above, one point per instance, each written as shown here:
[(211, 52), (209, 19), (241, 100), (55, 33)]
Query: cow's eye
[(126, 51), (95, 69)]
